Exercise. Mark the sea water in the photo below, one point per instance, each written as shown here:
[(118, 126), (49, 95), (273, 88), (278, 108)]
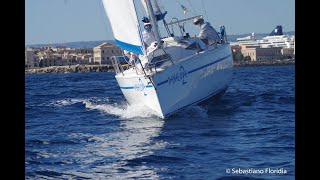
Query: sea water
[(79, 126)]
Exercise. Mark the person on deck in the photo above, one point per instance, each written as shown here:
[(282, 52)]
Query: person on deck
[(133, 58), (148, 35), (207, 33)]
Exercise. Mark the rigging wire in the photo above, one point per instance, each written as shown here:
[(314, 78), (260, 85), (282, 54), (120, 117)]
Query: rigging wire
[(140, 9), (161, 6), (205, 11), (104, 23), (192, 7), (182, 5)]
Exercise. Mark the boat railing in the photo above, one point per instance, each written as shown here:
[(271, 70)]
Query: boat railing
[(118, 66), (223, 35), (157, 64), (180, 24), (158, 61)]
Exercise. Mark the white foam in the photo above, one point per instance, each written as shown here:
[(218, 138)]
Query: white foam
[(46, 142), (43, 154), (71, 101), (66, 102), (78, 135), (123, 111)]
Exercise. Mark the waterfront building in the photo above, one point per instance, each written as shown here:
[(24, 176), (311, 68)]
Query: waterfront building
[(84, 50), (272, 47), (86, 59), (288, 52), (31, 59), (105, 52), (70, 50), (46, 62), (50, 58), (258, 53), (71, 58), (58, 49), (275, 39)]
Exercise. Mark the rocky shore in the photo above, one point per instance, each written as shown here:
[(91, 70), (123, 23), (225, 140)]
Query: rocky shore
[(263, 63), (109, 68), (71, 69)]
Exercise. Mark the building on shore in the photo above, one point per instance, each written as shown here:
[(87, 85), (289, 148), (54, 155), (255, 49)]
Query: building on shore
[(58, 56), (84, 50), (288, 52), (257, 53), (31, 59), (272, 47), (105, 52), (46, 62)]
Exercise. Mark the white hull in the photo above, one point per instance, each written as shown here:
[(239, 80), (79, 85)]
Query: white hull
[(188, 82)]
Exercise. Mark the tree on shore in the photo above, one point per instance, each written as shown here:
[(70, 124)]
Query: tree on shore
[(237, 56)]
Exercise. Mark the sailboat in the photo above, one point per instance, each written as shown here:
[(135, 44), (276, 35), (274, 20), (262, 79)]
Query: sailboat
[(176, 71)]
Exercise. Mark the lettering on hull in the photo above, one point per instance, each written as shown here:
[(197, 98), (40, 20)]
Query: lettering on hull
[(180, 76), (140, 87)]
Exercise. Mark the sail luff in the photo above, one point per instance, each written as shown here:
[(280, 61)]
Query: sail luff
[(125, 25), (140, 32)]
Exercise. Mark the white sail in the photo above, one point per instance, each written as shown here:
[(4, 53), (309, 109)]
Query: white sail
[(124, 23)]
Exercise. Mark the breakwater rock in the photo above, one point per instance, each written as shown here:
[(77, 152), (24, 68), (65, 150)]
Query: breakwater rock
[(71, 69), (263, 63), (109, 68)]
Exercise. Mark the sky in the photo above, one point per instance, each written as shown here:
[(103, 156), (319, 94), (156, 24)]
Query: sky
[(60, 21)]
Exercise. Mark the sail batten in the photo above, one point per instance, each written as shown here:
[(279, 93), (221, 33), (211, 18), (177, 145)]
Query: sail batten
[(124, 23)]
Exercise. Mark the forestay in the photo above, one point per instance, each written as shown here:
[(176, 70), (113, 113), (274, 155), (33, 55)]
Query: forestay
[(124, 23)]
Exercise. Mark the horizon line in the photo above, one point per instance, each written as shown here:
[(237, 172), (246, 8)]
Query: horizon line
[(113, 39)]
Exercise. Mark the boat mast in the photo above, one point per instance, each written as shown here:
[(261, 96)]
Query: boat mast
[(154, 23)]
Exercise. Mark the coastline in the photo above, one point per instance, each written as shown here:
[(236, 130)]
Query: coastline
[(263, 63), (109, 68), (70, 69)]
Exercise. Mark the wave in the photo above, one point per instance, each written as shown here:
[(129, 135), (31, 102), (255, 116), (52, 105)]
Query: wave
[(72, 101), (124, 111), (66, 102)]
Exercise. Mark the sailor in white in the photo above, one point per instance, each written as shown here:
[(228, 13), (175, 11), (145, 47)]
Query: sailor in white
[(133, 58), (148, 35), (207, 33)]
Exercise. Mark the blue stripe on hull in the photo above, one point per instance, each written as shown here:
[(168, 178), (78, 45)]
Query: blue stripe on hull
[(197, 69), (131, 87)]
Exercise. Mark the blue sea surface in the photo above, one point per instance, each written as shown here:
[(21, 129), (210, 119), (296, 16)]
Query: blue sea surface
[(79, 126)]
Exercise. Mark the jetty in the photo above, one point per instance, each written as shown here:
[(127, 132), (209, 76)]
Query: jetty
[(263, 63), (109, 68)]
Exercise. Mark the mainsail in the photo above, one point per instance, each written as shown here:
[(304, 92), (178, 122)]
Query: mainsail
[(125, 25)]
